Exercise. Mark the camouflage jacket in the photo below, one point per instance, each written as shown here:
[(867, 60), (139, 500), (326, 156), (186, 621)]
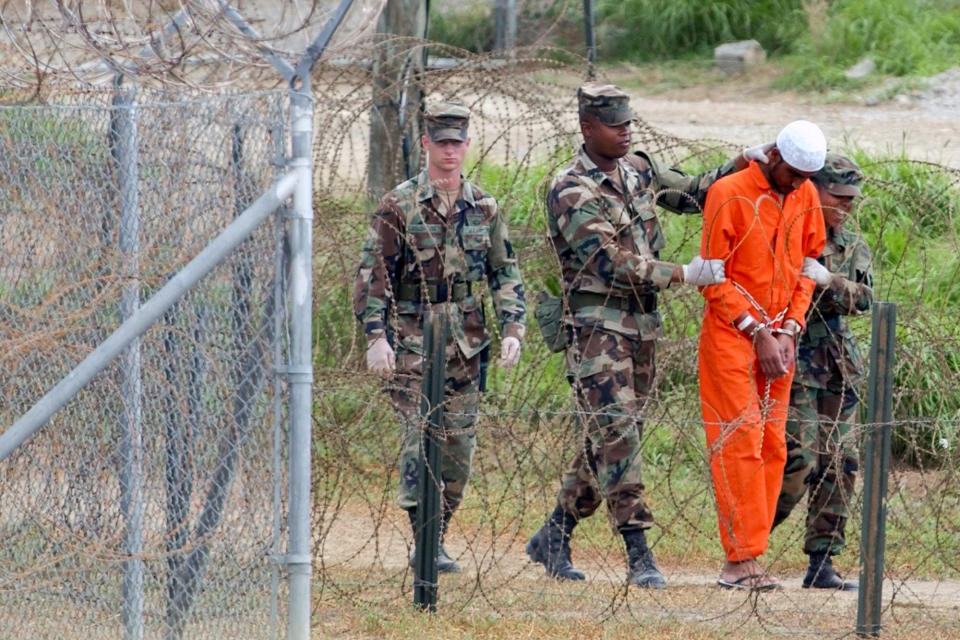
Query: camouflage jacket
[(609, 239), (827, 355), (411, 242)]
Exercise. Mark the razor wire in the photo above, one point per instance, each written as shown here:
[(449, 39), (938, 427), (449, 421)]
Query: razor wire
[(524, 129)]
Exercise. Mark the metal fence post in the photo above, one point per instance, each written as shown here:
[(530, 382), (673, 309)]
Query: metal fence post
[(876, 459), (505, 25), (131, 442), (300, 370), (590, 38), (428, 508)]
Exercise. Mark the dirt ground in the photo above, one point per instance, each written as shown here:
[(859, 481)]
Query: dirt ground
[(372, 550), (743, 109)]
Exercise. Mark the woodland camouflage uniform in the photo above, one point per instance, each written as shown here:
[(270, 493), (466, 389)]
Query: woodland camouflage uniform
[(822, 452), (419, 255), (608, 238)]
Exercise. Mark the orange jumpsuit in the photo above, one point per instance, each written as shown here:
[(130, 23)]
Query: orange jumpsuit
[(763, 243)]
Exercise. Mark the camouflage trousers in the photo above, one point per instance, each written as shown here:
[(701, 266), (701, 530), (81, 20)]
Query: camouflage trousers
[(459, 438), (611, 376), (822, 461)]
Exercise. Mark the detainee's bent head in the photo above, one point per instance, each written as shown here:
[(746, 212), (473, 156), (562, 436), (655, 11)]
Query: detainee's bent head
[(606, 102), (802, 145), (840, 176), (446, 121)]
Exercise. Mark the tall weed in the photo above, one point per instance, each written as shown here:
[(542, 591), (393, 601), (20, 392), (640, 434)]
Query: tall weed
[(662, 29), (918, 37)]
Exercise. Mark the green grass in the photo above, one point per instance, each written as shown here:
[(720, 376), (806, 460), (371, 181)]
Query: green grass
[(527, 436), (809, 43), (919, 37), (468, 26), (642, 30), (813, 42)]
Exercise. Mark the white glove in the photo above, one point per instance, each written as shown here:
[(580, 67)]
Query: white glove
[(758, 153), (509, 352), (816, 272), (380, 357), (702, 272)]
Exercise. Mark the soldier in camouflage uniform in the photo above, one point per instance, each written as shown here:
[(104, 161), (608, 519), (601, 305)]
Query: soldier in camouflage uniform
[(821, 443), (603, 224), (438, 242)]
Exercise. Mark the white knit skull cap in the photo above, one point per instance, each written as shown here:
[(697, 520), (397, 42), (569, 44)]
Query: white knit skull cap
[(802, 145)]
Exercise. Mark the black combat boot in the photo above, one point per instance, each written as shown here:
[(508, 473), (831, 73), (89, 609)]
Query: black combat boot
[(822, 575), (642, 569), (550, 546), (445, 564)]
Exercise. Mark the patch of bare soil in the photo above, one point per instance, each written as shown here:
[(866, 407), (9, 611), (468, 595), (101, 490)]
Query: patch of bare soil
[(742, 109)]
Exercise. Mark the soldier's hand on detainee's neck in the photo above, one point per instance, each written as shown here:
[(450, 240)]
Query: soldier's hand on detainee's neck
[(509, 352), (758, 153), (700, 272), (380, 357), (816, 272), (769, 354)]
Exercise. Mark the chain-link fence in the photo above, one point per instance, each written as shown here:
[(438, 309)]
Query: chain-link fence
[(524, 129), (152, 501)]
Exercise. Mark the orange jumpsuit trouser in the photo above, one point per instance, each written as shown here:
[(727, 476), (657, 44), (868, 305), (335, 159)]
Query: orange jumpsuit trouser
[(746, 441)]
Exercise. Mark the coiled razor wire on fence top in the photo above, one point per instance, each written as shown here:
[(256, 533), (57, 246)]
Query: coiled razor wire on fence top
[(207, 388)]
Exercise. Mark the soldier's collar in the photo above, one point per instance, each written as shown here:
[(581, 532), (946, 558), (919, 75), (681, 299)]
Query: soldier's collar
[(426, 190), (466, 192), (591, 169)]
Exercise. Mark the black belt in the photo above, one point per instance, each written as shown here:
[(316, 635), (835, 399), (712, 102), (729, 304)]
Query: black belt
[(434, 292), (647, 303)]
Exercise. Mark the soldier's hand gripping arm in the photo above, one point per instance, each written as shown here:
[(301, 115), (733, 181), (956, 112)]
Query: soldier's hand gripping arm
[(816, 272), (850, 292), (700, 272)]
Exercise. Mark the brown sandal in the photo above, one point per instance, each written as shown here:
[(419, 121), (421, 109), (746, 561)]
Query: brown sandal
[(751, 582)]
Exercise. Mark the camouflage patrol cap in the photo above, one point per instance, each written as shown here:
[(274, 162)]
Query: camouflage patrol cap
[(446, 121), (605, 101), (840, 176)]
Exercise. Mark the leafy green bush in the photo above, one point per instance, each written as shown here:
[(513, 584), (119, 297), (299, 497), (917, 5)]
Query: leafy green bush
[(467, 26)]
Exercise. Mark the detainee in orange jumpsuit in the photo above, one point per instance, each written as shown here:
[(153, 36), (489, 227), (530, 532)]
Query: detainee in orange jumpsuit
[(763, 221)]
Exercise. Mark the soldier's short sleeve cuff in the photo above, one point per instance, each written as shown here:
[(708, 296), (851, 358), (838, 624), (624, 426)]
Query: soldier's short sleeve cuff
[(662, 274)]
